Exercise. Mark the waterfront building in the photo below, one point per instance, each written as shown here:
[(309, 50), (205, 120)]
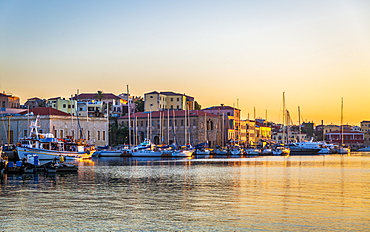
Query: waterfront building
[(292, 137), (322, 130), (365, 128), (9, 101), (174, 126), (350, 138), (262, 132), (98, 105), (157, 101), (66, 105), (34, 102), (58, 123), (230, 122)]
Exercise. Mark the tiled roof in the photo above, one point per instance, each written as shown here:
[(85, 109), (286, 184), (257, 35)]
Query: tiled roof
[(93, 96), (220, 108), (34, 99), (45, 111)]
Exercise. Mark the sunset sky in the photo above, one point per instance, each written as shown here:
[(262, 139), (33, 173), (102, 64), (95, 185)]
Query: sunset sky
[(237, 53)]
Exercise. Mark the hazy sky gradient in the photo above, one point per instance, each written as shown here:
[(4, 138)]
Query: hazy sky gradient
[(217, 51)]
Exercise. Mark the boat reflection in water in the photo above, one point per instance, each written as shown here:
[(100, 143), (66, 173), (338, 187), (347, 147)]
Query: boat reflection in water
[(269, 193)]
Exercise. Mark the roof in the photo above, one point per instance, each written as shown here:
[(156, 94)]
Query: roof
[(171, 113), (169, 93), (45, 111), (221, 108), (93, 96), (54, 98), (34, 99)]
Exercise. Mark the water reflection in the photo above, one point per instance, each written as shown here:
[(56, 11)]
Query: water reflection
[(294, 193)]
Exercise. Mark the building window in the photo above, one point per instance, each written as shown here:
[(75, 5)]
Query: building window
[(88, 135), (25, 133), (171, 99), (61, 134), (178, 99), (98, 135), (151, 96), (64, 106), (103, 135)]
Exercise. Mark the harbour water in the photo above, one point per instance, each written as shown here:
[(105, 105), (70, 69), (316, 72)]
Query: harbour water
[(270, 193)]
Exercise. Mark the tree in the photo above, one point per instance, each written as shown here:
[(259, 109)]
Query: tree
[(197, 106), (118, 134), (99, 96), (139, 105)]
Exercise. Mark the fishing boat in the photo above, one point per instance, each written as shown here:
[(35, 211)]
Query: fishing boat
[(47, 147)]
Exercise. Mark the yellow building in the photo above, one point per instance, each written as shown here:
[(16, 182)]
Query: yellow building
[(157, 101), (365, 128), (62, 104)]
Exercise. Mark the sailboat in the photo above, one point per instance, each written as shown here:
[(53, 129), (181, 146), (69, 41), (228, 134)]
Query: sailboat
[(147, 148), (342, 149), (282, 149)]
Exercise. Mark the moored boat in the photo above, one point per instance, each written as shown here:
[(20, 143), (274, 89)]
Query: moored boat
[(47, 147)]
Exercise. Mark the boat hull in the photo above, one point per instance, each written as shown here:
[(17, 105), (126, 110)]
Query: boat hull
[(109, 153), (44, 154), (147, 153), (304, 151), (182, 153)]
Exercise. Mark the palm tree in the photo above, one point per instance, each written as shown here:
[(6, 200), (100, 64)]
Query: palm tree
[(99, 96)]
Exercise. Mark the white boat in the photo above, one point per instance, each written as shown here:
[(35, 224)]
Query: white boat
[(202, 152), (235, 151), (343, 150), (146, 149), (47, 147), (220, 151), (182, 153), (146, 153), (280, 150), (267, 151), (252, 151), (109, 153)]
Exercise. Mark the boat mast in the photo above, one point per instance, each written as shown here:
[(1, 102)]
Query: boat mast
[(341, 122), (185, 128), (168, 126), (299, 124), (129, 118), (205, 127), (284, 117)]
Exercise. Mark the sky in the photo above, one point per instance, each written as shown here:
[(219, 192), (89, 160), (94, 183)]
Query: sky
[(244, 54)]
